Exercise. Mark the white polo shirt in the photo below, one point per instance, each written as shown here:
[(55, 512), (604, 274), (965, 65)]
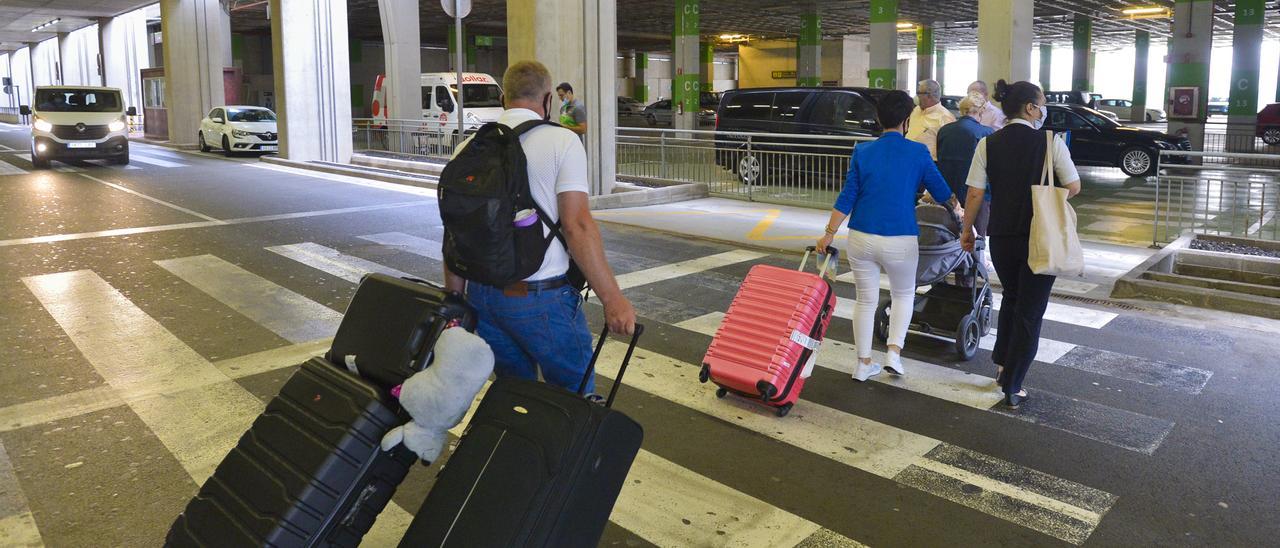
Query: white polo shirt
[(557, 164)]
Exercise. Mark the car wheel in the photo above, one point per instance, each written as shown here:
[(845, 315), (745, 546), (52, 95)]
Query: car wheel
[(651, 120), (121, 160), (750, 169), (1149, 118), (204, 147), (226, 145), (38, 162), (1137, 162), (1271, 136)]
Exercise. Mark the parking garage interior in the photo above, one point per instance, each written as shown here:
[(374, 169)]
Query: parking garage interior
[(280, 150)]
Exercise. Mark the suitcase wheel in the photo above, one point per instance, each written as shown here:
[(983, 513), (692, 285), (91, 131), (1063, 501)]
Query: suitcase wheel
[(704, 375), (782, 411), (722, 392)]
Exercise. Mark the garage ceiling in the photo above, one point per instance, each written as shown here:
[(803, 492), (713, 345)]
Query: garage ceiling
[(18, 17), (649, 22)]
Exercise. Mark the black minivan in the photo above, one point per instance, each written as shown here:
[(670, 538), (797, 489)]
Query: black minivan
[(793, 113)]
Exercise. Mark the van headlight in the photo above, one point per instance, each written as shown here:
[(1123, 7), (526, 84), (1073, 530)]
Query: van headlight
[(240, 133), (41, 124), (116, 125)]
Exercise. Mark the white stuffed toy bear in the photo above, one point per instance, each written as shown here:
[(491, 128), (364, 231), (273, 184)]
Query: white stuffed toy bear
[(439, 396)]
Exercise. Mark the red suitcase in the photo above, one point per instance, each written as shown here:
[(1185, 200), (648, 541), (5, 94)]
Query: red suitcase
[(765, 347)]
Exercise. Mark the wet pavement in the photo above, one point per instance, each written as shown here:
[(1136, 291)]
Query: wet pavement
[(150, 311)]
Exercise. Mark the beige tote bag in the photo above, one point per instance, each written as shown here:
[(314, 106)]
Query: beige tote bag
[(1054, 245)]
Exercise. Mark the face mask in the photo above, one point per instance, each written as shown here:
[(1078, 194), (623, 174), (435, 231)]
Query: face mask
[(1044, 115), (916, 100)]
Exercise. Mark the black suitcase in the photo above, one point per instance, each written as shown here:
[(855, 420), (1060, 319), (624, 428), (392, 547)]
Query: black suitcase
[(309, 472), (537, 466), (391, 325)]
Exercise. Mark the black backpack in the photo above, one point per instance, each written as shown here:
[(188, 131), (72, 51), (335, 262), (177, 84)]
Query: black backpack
[(481, 190)]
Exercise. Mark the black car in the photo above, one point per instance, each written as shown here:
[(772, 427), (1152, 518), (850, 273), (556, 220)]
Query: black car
[(1096, 140), (797, 112)]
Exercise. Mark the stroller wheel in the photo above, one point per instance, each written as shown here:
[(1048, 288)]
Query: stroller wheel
[(882, 321), (984, 313), (967, 336)]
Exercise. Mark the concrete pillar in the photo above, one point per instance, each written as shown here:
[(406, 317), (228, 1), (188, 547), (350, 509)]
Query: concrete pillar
[(1141, 50), (1189, 50), (940, 66), (640, 83), (578, 42), (197, 46), (1004, 40), (1046, 66), (883, 72), (707, 66), (684, 65), (310, 57), (904, 82), (809, 50), (1246, 46), (924, 52), (124, 53), (1081, 46), (402, 52), (855, 60)]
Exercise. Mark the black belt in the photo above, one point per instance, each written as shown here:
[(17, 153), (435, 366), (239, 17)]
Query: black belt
[(520, 289)]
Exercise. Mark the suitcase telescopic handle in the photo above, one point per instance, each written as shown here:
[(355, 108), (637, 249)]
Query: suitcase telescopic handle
[(831, 253), (622, 369)]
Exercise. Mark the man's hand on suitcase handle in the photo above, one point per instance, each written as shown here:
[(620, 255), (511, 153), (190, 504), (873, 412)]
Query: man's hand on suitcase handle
[(619, 315)]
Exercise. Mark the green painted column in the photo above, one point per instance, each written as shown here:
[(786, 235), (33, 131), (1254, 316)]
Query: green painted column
[(1141, 51), (924, 52), (471, 48), (685, 84), (1189, 51), (639, 85), (1046, 65), (883, 71), (1246, 46), (940, 68), (1081, 46), (707, 65), (809, 50)]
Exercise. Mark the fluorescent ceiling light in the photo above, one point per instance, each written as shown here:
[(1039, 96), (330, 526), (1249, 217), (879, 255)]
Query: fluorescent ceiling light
[(906, 26), (1145, 11)]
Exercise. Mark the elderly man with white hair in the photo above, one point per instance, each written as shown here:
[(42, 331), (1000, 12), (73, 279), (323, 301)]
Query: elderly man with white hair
[(929, 116), (990, 115)]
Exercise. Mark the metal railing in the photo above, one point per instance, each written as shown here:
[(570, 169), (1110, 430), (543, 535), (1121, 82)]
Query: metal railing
[(1213, 198), (805, 170), (11, 115), (413, 139)]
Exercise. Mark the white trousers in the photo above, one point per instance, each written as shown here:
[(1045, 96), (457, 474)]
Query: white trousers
[(897, 256)]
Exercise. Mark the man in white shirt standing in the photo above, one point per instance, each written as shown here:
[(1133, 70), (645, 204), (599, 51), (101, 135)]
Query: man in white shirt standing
[(929, 116), (538, 324), (989, 115)]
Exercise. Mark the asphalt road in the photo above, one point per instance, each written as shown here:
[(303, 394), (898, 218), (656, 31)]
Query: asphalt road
[(150, 311)]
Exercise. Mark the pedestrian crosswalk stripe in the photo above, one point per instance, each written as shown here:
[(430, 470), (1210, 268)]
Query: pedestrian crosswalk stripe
[(17, 525), (130, 351), (1191, 380), (136, 355), (333, 262), (135, 157), (873, 447), (290, 315), (685, 268), (1117, 427), (1074, 315), (1049, 350), (412, 244), (7, 168)]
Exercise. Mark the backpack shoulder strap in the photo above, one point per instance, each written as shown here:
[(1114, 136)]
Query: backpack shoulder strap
[(526, 126)]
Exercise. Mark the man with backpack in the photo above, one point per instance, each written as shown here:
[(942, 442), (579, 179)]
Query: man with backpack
[(519, 237)]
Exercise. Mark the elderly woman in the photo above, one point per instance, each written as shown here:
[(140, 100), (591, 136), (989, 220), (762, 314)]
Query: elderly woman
[(957, 142), (879, 198)]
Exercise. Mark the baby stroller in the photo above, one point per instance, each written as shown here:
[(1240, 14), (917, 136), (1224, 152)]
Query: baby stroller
[(957, 306)]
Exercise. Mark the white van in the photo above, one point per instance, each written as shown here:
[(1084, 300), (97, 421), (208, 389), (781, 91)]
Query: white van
[(481, 100), (78, 123)]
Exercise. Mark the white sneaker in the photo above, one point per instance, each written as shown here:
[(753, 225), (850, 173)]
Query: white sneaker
[(866, 371), (893, 363)]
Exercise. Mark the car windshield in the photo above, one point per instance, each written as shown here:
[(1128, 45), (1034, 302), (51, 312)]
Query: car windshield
[(250, 115), (77, 100), (480, 95), (1097, 118)]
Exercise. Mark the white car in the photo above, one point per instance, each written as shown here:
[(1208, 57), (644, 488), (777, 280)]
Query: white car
[(1124, 108), (238, 128), (78, 123)]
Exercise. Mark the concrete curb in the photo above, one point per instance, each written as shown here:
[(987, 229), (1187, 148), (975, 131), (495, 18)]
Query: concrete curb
[(1134, 285), (374, 174), (633, 196), (411, 166)]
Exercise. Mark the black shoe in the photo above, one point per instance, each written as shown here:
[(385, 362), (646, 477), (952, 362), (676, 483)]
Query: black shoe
[(1014, 401)]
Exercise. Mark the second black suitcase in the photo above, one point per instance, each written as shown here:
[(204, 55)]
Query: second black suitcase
[(309, 472), (391, 325), (538, 466)]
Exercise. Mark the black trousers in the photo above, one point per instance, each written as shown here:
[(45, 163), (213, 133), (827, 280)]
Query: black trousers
[(1025, 298)]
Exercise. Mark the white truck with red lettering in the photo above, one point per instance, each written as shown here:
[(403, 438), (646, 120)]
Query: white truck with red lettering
[(481, 100)]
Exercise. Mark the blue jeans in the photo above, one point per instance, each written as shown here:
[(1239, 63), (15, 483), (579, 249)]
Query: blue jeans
[(545, 330)]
